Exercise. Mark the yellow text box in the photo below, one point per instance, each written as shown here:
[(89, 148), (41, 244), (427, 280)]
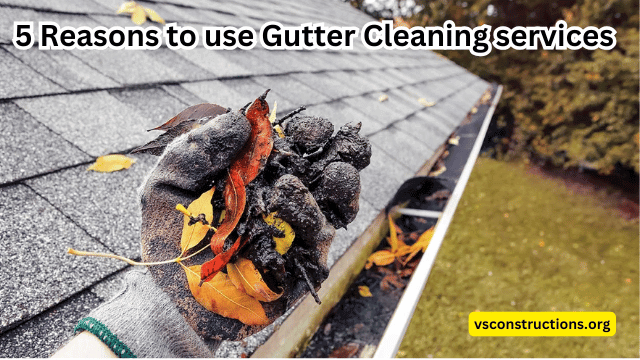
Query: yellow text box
[(542, 324)]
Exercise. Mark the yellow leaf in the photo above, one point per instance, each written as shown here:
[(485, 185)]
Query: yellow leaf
[(364, 291), (393, 235), (127, 7), (426, 103), (474, 110), (421, 244), (454, 140), (139, 17), (111, 163), (278, 129), (153, 16), (272, 116), (220, 296), (193, 234), (381, 258), (282, 243), (383, 98), (247, 278)]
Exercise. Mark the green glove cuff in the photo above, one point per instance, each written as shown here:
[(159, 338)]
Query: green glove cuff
[(102, 332)]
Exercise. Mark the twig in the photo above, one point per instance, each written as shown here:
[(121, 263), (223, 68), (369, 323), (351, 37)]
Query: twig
[(306, 278), (294, 112)]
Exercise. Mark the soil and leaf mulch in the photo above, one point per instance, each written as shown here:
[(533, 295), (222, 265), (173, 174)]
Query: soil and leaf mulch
[(356, 324)]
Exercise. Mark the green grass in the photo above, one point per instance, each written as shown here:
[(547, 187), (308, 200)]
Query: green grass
[(519, 242)]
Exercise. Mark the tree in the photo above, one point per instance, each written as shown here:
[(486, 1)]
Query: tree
[(573, 108)]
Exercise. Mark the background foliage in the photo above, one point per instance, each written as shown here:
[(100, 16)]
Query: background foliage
[(573, 108)]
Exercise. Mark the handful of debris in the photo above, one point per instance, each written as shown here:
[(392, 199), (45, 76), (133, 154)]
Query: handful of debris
[(290, 179)]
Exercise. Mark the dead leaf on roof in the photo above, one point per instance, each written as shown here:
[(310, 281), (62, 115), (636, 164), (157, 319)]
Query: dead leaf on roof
[(139, 14), (383, 98), (424, 102), (474, 110), (454, 140), (364, 291), (111, 163)]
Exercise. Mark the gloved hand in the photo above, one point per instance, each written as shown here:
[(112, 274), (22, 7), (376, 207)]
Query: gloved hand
[(314, 188)]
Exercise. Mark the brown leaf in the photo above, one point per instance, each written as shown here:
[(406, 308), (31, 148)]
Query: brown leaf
[(364, 291), (247, 278), (193, 234), (220, 296), (254, 154), (345, 351), (111, 163), (191, 113), (392, 279), (234, 200)]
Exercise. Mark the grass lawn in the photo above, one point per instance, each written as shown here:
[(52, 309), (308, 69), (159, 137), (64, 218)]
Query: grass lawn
[(519, 242)]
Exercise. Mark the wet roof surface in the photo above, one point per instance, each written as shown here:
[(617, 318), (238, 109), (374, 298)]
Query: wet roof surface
[(59, 110)]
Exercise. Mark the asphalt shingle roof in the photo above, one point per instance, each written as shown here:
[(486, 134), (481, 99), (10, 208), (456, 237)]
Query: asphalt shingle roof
[(59, 110)]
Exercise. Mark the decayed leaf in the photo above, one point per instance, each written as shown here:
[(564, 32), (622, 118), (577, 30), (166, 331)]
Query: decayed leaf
[(345, 351), (193, 234), (111, 163), (247, 278), (383, 98), (454, 140), (220, 296), (282, 243), (426, 103), (138, 13), (364, 291)]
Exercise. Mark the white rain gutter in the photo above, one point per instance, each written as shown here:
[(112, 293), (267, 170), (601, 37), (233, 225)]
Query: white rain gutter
[(397, 326)]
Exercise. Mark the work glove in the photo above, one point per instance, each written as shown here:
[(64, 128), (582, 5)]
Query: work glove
[(310, 180)]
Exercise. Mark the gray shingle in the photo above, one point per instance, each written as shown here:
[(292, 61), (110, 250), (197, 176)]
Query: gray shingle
[(361, 81), (182, 94), (250, 90), (374, 109), (332, 88), (154, 103), (106, 205), (17, 79), (41, 336), (172, 59), (28, 148), (381, 178), (291, 88), (215, 61), (95, 122), (408, 149), (75, 6), (216, 92), (8, 16), (283, 59), (63, 68), (129, 67), (36, 271), (426, 126)]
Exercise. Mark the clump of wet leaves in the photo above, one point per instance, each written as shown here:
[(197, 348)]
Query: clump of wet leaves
[(266, 218)]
